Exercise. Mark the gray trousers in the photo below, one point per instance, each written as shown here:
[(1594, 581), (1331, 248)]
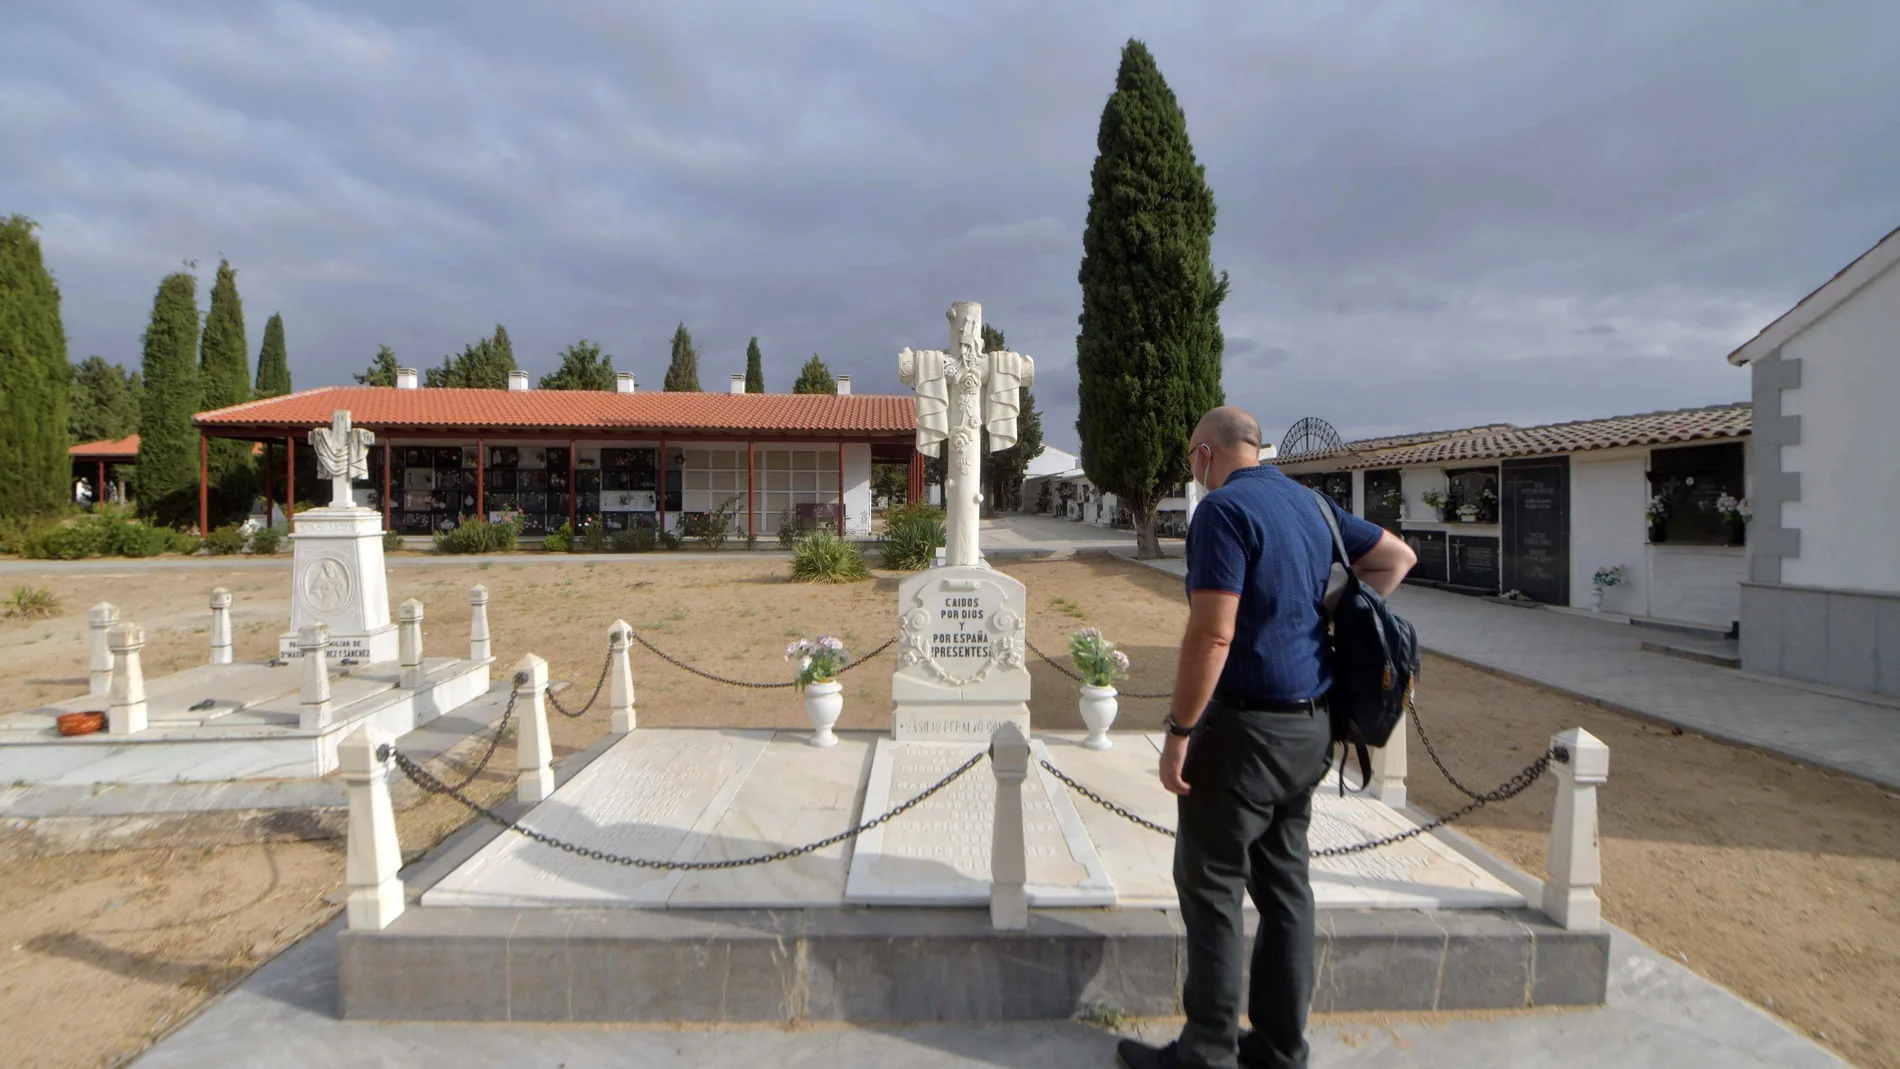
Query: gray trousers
[(1242, 827)]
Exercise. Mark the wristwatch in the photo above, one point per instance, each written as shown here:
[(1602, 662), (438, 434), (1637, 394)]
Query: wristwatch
[(1177, 730)]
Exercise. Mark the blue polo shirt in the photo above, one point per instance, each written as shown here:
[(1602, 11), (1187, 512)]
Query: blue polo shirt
[(1261, 536)]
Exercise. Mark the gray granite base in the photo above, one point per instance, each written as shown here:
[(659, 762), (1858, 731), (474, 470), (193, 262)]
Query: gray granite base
[(620, 965)]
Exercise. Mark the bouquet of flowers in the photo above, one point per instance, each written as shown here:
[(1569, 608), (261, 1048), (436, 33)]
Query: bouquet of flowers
[(1658, 508), (1100, 663), (1734, 510), (1607, 577), (1434, 499), (819, 659)]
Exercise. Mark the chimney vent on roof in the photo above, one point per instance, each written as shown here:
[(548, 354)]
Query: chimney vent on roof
[(623, 382), (405, 378), (738, 384), (844, 386), (517, 380)]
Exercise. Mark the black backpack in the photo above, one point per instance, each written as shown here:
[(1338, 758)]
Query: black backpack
[(1375, 662)]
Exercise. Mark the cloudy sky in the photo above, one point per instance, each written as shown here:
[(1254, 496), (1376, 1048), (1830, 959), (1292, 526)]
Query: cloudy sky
[(1434, 213)]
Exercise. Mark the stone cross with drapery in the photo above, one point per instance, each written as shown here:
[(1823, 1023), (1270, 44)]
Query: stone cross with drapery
[(960, 392), (342, 455)]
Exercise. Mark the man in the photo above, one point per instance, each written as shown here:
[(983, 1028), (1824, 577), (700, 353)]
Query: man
[(1248, 740)]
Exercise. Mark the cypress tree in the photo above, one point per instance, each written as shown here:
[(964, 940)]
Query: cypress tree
[(682, 375), (224, 376), (583, 367), (1148, 355), (381, 371), (482, 366), (168, 444), (754, 368), (273, 362), (815, 377), (105, 402), (35, 379)]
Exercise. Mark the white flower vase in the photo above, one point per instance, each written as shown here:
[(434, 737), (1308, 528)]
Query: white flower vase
[(823, 703), (1098, 714), (1598, 607)]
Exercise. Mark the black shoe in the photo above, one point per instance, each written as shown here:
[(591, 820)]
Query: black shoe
[(1134, 1054)]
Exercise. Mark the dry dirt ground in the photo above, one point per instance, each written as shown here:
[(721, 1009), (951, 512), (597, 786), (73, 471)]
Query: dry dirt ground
[(1780, 881)]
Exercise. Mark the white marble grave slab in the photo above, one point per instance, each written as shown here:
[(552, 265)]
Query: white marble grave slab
[(938, 854), (655, 794), (1421, 873)]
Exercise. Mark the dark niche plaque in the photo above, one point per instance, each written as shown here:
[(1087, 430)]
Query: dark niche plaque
[(1474, 562), (1431, 550)]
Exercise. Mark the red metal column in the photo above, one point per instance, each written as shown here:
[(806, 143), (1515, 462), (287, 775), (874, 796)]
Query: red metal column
[(914, 492), (386, 452), (481, 466), (571, 488), (290, 482), (660, 501), (751, 491), (269, 504), (204, 485), (99, 491)]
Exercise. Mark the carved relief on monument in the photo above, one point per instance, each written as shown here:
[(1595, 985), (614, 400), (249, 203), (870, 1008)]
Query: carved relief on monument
[(959, 630)]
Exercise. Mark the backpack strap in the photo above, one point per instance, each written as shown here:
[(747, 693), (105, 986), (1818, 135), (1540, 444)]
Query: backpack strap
[(1330, 598)]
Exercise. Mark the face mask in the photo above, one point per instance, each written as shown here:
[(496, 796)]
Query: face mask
[(1207, 462)]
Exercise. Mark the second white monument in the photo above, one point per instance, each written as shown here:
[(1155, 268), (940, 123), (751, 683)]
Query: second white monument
[(338, 578)]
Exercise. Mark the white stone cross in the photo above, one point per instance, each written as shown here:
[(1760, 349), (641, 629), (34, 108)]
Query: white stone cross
[(342, 455), (959, 393)]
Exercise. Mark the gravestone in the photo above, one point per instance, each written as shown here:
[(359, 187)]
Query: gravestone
[(337, 579), (962, 668)]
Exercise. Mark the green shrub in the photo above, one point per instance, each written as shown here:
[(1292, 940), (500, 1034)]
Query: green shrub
[(477, 536), (142, 540), (392, 541), (31, 603), (559, 540), (670, 540), (266, 540), (103, 534), (710, 528), (823, 557), (638, 538), (788, 530), (224, 541), (593, 536), (912, 536)]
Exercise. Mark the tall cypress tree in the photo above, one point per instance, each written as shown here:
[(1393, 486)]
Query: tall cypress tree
[(815, 377), (35, 379), (168, 444), (273, 361), (1149, 351), (682, 375), (754, 368), (224, 376)]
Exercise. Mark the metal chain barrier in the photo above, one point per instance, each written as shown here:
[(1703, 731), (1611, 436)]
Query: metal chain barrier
[(683, 666), (1511, 788), (1067, 671), (494, 742), (598, 687), (1433, 753), (430, 784)]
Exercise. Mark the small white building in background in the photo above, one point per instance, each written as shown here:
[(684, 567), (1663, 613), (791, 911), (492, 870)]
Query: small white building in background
[(1541, 509), (1821, 601)]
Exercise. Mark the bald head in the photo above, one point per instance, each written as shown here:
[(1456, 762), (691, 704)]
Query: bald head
[(1231, 430)]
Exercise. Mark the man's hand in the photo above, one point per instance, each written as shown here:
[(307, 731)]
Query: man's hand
[(1173, 756)]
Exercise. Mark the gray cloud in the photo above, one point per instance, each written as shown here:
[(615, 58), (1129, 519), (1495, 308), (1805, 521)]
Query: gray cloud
[(1417, 206)]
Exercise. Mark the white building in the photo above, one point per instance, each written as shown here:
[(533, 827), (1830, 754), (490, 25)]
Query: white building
[(1541, 509), (1822, 598)]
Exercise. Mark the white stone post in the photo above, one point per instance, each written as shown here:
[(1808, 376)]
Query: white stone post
[(374, 853), (620, 678), (313, 645), (1009, 862), (1575, 865), (534, 754), (1388, 765), (220, 626), (103, 617), (125, 708), (409, 642), (478, 647)]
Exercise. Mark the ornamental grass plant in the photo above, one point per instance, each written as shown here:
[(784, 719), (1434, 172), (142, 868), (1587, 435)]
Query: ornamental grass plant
[(823, 557)]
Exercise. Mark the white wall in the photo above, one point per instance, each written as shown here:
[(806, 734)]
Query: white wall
[(857, 488), (1051, 461), (1414, 482), (1607, 527), (1359, 494), (1696, 584), (1850, 482)]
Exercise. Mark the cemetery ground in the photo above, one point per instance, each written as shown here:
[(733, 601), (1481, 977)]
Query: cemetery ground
[(1774, 879)]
